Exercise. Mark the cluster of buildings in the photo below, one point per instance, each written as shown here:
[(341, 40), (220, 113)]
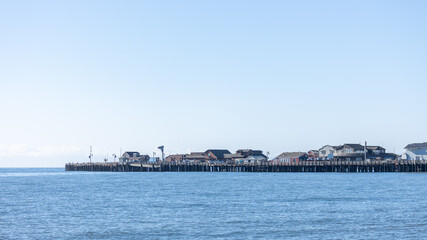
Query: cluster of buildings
[(220, 155), (210, 155), (345, 152)]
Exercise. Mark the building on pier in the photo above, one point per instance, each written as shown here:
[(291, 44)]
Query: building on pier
[(350, 152), (416, 151), (194, 157), (379, 153), (358, 152), (327, 152), (133, 157), (175, 158), (211, 155), (291, 157), (217, 155), (246, 156), (313, 154)]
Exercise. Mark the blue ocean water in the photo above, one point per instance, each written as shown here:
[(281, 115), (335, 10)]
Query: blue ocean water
[(54, 204)]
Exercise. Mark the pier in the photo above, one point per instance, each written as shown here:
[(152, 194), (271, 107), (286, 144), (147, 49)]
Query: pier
[(303, 166)]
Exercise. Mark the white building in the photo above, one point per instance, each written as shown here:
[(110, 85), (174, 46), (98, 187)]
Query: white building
[(247, 156), (416, 151), (327, 152), (350, 152)]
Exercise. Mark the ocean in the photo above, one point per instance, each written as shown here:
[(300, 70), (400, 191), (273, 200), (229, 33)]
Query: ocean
[(51, 203)]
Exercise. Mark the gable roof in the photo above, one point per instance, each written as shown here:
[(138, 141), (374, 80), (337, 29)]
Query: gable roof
[(258, 153), (351, 145), (417, 145), (334, 147), (194, 155), (245, 150), (131, 153), (257, 157), (233, 155), (291, 155), (250, 152), (375, 148), (219, 153), (176, 155)]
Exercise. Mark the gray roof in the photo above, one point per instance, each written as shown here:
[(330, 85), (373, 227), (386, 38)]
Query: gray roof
[(417, 145), (244, 153), (194, 155), (219, 153), (375, 148), (257, 157), (354, 146), (233, 155), (244, 150), (250, 152), (334, 147), (291, 154), (131, 153)]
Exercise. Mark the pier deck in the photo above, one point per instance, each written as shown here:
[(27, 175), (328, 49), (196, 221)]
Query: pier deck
[(305, 166)]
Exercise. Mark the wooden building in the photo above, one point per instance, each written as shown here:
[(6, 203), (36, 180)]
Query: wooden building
[(327, 152), (133, 157), (194, 157), (291, 157), (358, 152), (175, 158), (246, 156), (216, 155)]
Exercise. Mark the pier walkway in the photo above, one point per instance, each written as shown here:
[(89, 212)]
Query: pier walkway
[(304, 166)]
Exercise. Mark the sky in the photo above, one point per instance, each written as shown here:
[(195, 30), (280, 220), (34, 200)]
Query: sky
[(194, 75)]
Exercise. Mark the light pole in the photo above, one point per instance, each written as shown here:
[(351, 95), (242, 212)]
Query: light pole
[(90, 155), (162, 148), (366, 143)]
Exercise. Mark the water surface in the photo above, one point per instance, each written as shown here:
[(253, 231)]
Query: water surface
[(54, 204)]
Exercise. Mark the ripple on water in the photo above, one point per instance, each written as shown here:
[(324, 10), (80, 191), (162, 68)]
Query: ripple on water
[(54, 204)]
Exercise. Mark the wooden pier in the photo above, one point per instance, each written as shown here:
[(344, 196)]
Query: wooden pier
[(305, 166)]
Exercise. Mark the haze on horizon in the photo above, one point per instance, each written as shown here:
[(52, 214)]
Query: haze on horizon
[(192, 75)]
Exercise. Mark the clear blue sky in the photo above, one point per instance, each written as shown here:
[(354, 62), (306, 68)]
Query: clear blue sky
[(192, 75)]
